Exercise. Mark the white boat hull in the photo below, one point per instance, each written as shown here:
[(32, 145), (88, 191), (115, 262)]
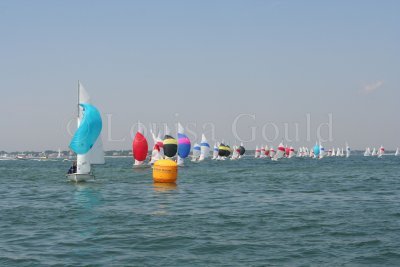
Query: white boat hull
[(78, 177)]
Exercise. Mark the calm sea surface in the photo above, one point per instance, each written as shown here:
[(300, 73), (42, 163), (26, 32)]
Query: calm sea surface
[(251, 212)]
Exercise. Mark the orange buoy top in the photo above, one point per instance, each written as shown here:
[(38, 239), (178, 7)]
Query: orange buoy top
[(165, 171)]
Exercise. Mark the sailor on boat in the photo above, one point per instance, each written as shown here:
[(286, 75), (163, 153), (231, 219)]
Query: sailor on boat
[(73, 168)]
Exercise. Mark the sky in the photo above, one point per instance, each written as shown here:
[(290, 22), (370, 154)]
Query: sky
[(251, 71)]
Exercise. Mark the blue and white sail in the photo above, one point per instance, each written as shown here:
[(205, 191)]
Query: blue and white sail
[(215, 151), (316, 150), (87, 142), (321, 150), (183, 145), (196, 152), (204, 148), (89, 130)]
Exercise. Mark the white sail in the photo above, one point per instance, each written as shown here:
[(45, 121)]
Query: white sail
[(280, 152), (196, 152), (321, 151), (96, 153), (381, 151), (272, 152), (83, 161), (367, 152), (257, 152), (299, 152), (338, 152), (235, 154), (397, 152), (180, 161), (373, 152), (204, 148), (59, 153), (291, 152), (347, 151), (333, 154), (262, 152), (215, 151)]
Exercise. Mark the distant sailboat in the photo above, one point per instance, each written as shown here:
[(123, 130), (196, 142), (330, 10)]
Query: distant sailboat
[(374, 153), (157, 151), (280, 153), (321, 151), (257, 152), (333, 154), (215, 152), (381, 151), (397, 152), (291, 152), (347, 150), (59, 153), (242, 150), (86, 142), (316, 150), (170, 144), (204, 148), (196, 152), (338, 152), (183, 145), (262, 152), (272, 152), (235, 153), (266, 151), (367, 152), (140, 147)]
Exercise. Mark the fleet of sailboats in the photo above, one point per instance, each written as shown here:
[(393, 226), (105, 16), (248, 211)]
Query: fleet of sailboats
[(87, 144)]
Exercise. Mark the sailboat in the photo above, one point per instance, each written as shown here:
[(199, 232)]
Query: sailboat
[(266, 151), (157, 151), (196, 152), (347, 150), (223, 151), (373, 152), (215, 152), (397, 152), (140, 147), (235, 153), (316, 150), (262, 152), (367, 152), (242, 150), (338, 152), (291, 152), (86, 142), (204, 148), (59, 153), (170, 144), (333, 154), (257, 152), (381, 152), (280, 153), (321, 151), (272, 152), (183, 145)]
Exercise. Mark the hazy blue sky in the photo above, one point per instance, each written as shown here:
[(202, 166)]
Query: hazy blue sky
[(198, 62)]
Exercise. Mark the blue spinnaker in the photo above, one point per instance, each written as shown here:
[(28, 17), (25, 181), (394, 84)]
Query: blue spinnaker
[(88, 131), (183, 145), (316, 150)]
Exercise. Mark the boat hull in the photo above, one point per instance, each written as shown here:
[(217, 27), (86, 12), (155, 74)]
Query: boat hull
[(80, 177)]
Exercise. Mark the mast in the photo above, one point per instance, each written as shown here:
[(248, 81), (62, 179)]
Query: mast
[(78, 99)]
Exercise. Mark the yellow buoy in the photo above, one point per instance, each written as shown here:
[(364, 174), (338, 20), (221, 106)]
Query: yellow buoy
[(165, 171)]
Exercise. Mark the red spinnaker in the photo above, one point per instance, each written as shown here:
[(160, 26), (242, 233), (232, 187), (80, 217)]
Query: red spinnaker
[(140, 147)]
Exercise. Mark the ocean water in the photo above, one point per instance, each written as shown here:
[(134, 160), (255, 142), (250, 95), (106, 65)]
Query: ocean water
[(251, 212)]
